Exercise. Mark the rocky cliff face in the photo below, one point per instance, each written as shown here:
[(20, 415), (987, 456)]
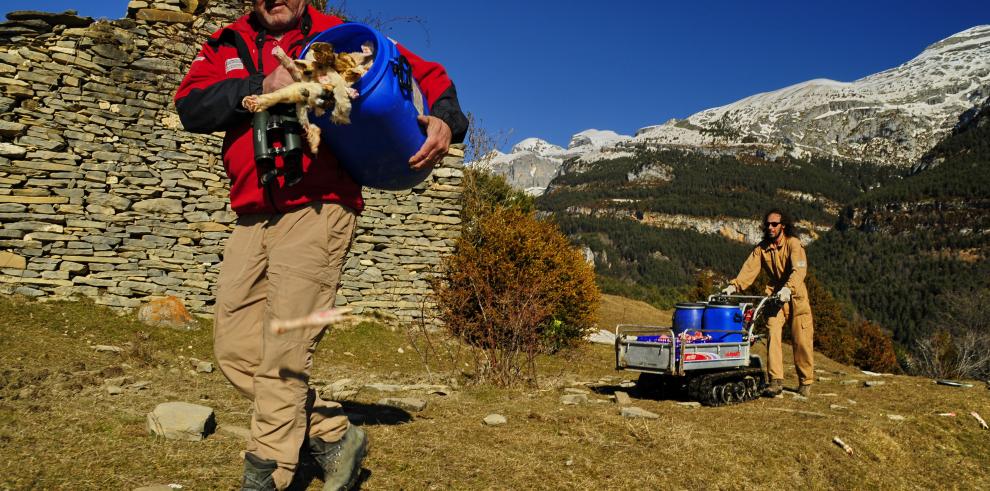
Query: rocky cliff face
[(892, 117), (533, 163)]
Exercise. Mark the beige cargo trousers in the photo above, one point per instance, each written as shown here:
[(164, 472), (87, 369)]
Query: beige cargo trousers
[(281, 266)]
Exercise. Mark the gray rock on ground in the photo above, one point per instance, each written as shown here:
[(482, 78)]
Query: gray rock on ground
[(574, 399), (622, 398), (635, 412), (235, 432), (182, 421), (406, 403), (495, 420)]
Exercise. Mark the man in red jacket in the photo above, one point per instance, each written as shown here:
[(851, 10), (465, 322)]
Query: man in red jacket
[(287, 249)]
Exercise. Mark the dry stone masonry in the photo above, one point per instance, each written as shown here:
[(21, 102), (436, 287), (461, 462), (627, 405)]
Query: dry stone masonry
[(103, 195)]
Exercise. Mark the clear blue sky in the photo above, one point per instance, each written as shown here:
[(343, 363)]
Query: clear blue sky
[(552, 68)]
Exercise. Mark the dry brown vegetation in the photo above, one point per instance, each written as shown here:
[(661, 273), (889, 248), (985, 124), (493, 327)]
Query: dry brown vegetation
[(62, 430)]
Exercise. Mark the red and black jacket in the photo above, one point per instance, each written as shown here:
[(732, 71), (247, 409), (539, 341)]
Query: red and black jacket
[(228, 68)]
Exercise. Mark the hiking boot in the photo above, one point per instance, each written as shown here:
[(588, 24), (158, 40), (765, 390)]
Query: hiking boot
[(774, 389), (258, 474), (804, 390), (341, 461)]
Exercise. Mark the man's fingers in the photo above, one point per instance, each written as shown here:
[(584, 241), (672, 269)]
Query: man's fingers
[(430, 154), (435, 146)]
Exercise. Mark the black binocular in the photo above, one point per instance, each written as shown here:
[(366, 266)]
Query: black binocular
[(280, 122)]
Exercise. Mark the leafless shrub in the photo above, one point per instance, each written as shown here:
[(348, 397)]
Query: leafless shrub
[(960, 348), (439, 352), (944, 355)]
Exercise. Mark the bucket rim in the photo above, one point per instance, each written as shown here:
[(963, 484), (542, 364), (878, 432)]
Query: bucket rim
[(383, 52)]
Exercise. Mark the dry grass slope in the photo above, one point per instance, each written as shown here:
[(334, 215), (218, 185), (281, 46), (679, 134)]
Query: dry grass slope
[(62, 430)]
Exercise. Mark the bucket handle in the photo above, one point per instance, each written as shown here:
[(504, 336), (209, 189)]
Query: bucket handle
[(403, 73)]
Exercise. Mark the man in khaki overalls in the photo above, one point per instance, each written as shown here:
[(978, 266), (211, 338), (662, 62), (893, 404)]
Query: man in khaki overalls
[(783, 258)]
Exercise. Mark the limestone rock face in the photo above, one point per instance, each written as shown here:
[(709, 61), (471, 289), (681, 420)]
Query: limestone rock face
[(892, 117)]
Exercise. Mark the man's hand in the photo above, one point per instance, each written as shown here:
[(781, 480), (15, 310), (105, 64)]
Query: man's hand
[(729, 290), (279, 78), (784, 294), (435, 147)]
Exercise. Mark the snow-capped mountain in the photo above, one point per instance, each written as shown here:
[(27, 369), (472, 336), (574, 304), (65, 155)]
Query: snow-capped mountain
[(892, 117), (532, 163)]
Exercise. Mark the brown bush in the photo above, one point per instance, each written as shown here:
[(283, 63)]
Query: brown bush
[(875, 350), (515, 287), (833, 333)]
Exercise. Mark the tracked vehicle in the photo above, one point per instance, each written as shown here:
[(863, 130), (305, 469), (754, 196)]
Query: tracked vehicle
[(707, 354)]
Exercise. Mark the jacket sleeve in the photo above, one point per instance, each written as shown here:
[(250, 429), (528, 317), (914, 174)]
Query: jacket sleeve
[(799, 264), (207, 100), (440, 93), (749, 271)]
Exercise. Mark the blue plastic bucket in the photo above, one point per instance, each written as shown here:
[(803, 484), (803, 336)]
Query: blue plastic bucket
[(383, 134), (723, 317), (688, 316)]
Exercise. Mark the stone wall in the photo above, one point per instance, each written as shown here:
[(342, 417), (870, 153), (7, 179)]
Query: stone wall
[(103, 195)]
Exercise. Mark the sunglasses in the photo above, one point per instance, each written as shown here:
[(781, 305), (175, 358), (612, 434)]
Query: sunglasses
[(771, 224)]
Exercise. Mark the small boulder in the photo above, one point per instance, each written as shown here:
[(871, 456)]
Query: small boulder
[(495, 420), (622, 398), (167, 312), (182, 421)]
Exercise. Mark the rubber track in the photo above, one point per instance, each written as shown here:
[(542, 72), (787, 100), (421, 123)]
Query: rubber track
[(700, 387)]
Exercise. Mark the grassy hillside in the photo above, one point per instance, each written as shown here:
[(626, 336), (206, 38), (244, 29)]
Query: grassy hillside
[(704, 185), (652, 264), (62, 430)]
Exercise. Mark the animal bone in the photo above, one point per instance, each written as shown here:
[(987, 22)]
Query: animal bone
[(983, 424), (316, 319), (843, 445)]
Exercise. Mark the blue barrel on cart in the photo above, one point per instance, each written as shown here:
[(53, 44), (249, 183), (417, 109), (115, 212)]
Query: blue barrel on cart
[(688, 316), (726, 318), (383, 134)]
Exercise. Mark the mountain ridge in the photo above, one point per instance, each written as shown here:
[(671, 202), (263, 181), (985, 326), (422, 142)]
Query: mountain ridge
[(893, 117)]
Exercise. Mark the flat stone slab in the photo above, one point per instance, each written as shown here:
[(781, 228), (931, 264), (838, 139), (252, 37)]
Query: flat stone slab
[(635, 412), (235, 432), (574, 399), (495, 420), (407, 403)]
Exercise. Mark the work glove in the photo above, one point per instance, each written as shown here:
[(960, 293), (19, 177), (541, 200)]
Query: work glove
[(729, 290), (784, 294)]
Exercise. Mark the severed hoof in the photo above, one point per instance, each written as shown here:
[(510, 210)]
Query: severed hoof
[(313, 137), (252, 103)]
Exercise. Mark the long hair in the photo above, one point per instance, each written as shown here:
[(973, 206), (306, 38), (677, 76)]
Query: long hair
[(785, 219)]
